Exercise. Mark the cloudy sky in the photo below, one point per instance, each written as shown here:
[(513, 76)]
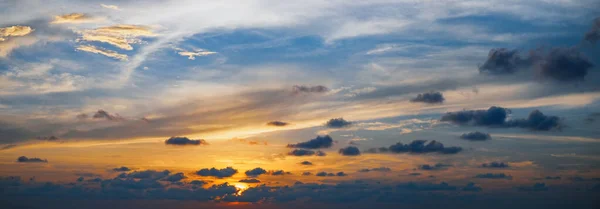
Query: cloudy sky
[(299, 104)]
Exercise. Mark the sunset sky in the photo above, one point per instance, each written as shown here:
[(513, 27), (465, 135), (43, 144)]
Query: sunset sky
[(299, 104)]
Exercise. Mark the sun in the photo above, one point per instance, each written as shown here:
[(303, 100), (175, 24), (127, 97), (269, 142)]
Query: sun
[(241, 188)]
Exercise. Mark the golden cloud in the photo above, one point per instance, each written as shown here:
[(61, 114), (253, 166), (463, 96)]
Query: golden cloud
[(193, 55), (73, 18), (16, 30), (102, 51), (121, 36)]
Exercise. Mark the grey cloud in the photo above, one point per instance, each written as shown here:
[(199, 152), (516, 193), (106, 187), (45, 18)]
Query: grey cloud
[(495, 165), (146, 174), (337, 123), (277, 123), (255, 172), (496, 117), (503, 61), (537, 187), (101, 114), (472, 187), (493, 176), (304, 152), (438, 166), (476, 136), (565, 64), (417, 147), (429, 97), (593, 35), (121, 169), (309, 89), (24, 159), (380, 169), (350, 151), (316, 143), (251, 181), (174, 177), (306, 163), (219, 173), (323, 174), (176, 140), (443, 186)]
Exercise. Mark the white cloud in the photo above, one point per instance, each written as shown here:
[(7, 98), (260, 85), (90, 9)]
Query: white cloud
[(102, 51)]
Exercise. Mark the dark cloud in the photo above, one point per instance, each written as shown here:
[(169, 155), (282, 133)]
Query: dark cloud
[(255, 172), (121, 169), (219, 173), (279, 172), (304, 152), (496, 117), (316, 143), (47, 138), (337, 123), (552, 178), (443, 186), (82, 116), (277, 123), (417, 147), (503, 61), (476, 136), (564, 64), (438, 166), (380, 169), (429, 97), (101, 114), (306, 163), (198, 182), (174, 177), (350, 151), (176, 140), (146, 174), (323, 174), (471, 187), (593, 35), (414, 174), (8, 146), (306, 173), (24, 159), (495, 165), (493, 176), (309, 89), (251, 181), (534, 188)]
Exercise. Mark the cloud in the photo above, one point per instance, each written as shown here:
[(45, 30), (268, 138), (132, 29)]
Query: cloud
[(380, 169), (306, 163), (495, 165), (176, 140), (417, 147), (593, 35), (15, 31), (121, 169), (47, 138), (193, 54), (536, 121), (503, 61), (101, 114), (174, 177), (255, 172), (309, 89), (437, 166), (442, 186), (564, 64), (476, 136), (316, 143), (146, 174), (24, 159), (277, 123), (73, 18), (109, 6), (219, 173), (429, 97), (337, 123), (250, 181), (350, 151), (471, 187), (323, 174), (496, 117), (121, 36), (279, 172), (493, 176), (537, 187), (303, 152), (102, 51)]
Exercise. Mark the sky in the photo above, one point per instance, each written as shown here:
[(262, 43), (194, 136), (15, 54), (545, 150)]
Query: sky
[(299, 104)]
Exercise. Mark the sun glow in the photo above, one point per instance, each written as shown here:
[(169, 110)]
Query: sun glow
[(241, 188)]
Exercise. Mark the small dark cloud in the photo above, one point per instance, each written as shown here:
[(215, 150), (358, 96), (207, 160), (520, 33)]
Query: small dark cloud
[(323, 174), (476, 136), (101, 114), (429, 97), (8, 146), (350, 151), (438, 166), (496, 117), (442, 186), (199, 182), (503, 61), (493, 176), (279, 172), (495, 165), (47, 138), (304, 152), (534, 188), (552, 178), (146, 174), (250, 181), (219, 173), (316, 143), (80, 179), (337, 123), (309, 89), (174, 177), (593, 35), (277, 123), (176, 140), (471, 187), (417, 147), (24, 159), (82, 116), (414, 174), (255, 172), (306, 163), (380, 169), (121, 169), (565, 64), (306, 173)]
